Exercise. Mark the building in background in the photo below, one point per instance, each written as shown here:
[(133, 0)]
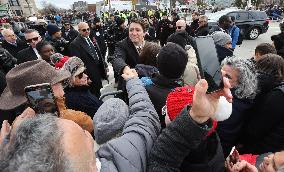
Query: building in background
[(80, 6), (21, 7)]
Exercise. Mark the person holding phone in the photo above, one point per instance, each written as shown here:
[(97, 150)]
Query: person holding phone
[(24, 75), (138, 135)]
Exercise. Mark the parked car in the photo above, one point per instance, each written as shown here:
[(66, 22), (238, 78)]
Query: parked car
[(251, 23)]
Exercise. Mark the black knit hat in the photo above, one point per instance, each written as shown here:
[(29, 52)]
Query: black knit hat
[(52, 29), (97, 20), (172, 61), (181, 38)]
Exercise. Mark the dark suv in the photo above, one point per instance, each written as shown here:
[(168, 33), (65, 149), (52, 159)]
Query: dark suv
[(251, 23)]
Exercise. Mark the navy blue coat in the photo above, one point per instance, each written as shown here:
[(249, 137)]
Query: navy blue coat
[(81, 99)]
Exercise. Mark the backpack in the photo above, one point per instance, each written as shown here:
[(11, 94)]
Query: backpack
[(241, 36)]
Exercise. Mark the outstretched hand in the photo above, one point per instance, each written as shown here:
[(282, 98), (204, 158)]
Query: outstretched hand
[(129, 73), (205, 105)]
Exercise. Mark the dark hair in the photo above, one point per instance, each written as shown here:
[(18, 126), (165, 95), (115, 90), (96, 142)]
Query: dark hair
[(139, 21), (149, 53), (196, 13), (41, 44), (272, 64), (223, 19), (278, 41), (30, 31), (265, 48), (233, 18)]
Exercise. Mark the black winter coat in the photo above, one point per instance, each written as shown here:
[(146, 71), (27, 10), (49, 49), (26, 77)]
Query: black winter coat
[(158, 93), (229, 130), (69, 35), (193, 26), (264, 128), (202, 31), (95, 65), (80, 98), (98, 36), (12, 49), (2, 82), (26, 54), (223, 52), (183, 146), (125, 55)]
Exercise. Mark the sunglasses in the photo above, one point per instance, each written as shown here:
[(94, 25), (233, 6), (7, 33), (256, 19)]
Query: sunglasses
[(179, 27), (33, 39), (85, 30), (80, 76)]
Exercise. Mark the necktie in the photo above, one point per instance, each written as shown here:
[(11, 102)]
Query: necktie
[(92, 48), (139, 49)]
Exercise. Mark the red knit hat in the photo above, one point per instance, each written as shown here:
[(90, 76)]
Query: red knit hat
[(178, 99)]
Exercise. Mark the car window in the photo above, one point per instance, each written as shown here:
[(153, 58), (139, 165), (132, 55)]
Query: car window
[(232, 14), (251, 16), (242, 16)]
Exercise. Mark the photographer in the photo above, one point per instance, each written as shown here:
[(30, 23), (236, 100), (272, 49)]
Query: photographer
[(54, 36)]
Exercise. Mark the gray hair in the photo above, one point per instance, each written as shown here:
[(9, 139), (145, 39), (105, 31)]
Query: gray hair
[(4, 31), (35, 146), (247, 79)]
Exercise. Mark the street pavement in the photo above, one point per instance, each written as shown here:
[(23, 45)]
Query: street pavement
[(246, 50)]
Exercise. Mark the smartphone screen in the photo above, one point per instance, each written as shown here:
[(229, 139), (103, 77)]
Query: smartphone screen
[(208, 62), (41, 98)]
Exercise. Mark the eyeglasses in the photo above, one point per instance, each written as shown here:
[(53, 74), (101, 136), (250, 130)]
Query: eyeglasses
[(33, 39), (85, 30)]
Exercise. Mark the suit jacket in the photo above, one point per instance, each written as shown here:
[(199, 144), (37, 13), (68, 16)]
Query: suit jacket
[(94, 64), (25, 55), (14, 49)]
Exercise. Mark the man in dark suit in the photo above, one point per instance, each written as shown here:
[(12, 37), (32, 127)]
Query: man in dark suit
[(90, 54), (28, 54), (12, 43), (68, 32)]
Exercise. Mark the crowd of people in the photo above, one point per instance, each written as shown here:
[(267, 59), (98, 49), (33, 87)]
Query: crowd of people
[(163, 120)]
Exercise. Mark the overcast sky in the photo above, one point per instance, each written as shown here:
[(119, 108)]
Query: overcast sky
[(62, 3)]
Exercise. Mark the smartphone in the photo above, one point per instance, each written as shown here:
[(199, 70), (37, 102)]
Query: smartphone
[(208, 62), (41, 98), (234, 155)]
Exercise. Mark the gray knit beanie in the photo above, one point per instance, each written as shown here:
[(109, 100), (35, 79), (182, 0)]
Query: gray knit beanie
[(221, 38), (109, 120)]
